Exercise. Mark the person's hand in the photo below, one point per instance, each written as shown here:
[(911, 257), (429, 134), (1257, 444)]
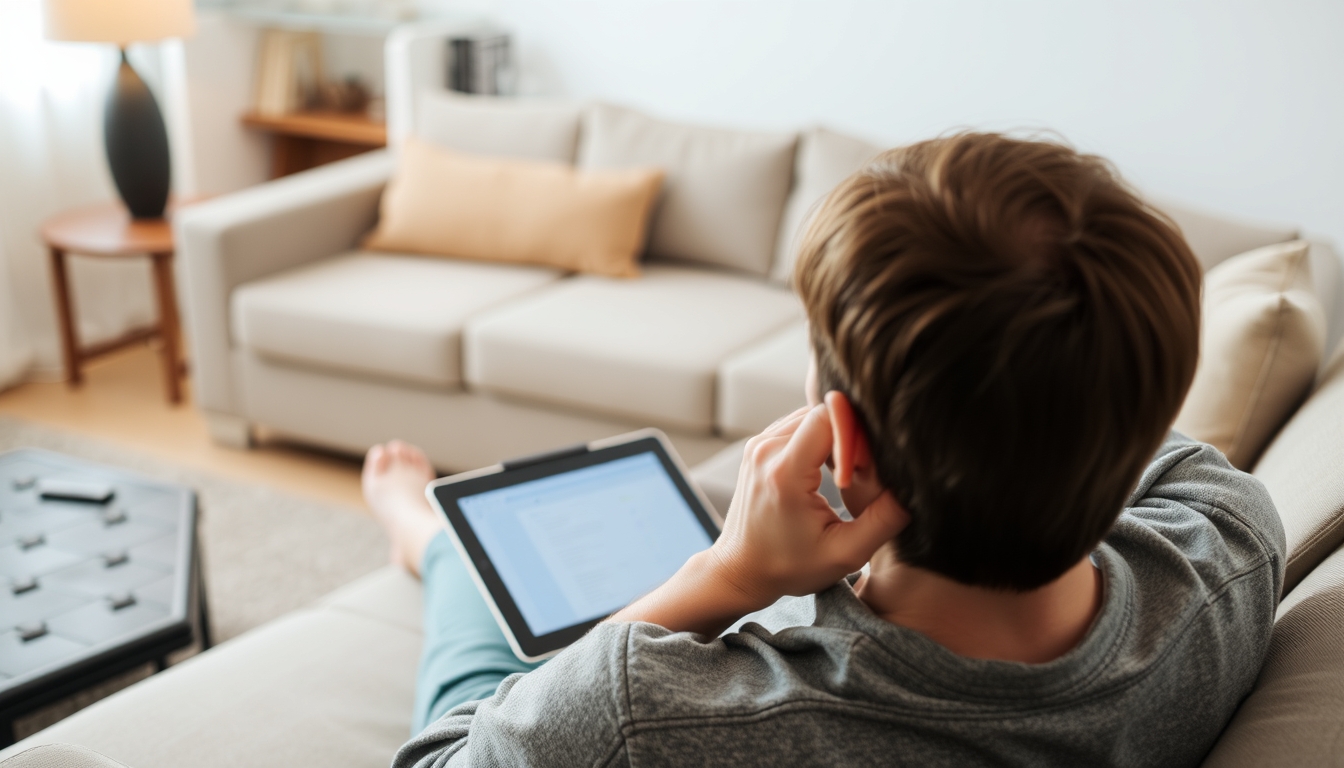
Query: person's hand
[(780, 536)]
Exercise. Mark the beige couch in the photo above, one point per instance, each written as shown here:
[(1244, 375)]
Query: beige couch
[(296, 330)]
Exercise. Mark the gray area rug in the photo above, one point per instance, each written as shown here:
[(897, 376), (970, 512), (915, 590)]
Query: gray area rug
[(265, 552)]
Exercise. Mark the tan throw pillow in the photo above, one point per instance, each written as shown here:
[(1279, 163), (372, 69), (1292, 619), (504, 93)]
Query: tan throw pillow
[(517, 211), (1262, 341)]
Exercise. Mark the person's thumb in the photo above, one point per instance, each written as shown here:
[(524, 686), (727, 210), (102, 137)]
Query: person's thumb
[(856, 541)]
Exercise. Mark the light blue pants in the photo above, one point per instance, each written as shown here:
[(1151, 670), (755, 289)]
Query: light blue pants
[(465, 656)]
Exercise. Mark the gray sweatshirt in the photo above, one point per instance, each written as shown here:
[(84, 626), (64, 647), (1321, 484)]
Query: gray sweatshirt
[(1191, 575)]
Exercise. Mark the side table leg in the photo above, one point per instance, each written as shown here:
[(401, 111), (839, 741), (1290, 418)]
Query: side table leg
[(65, 316), (169, 325)]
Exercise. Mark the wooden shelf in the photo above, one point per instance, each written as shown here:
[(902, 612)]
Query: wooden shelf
[(303, 140), (345, 127)]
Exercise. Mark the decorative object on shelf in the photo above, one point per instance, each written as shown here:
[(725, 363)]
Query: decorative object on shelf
[(480, 64), (133, 130), (289, 72), (348, 95)]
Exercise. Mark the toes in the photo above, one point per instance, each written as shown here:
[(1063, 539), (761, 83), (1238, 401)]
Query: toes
[(376, 459)]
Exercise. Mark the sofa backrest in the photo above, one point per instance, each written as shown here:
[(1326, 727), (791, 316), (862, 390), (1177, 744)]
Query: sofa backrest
[(488, 125), (723, 193)]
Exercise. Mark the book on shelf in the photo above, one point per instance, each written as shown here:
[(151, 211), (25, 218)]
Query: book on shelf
[(289, 71)]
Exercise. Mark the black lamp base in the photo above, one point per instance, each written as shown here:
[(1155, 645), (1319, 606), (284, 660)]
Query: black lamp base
[(137, 144)]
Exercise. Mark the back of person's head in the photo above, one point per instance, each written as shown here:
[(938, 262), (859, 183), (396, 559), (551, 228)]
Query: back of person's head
[(1016, 331)]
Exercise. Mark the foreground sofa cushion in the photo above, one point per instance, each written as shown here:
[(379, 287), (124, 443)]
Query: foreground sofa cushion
[(516, 211), (1303, 469), (1261, 343), (1295, 715), (329, 686), (60, 756), (648, 349), (505, 127), (825, 158), (391, 316), (763, 382), (724, 191)]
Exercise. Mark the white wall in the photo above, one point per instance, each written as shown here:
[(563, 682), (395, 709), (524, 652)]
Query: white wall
[(1235, 105)]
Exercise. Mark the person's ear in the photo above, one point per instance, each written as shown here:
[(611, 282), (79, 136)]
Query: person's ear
[(849, 446)]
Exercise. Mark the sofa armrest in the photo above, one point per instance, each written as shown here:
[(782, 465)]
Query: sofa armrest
[(265, 229), (59, 756)]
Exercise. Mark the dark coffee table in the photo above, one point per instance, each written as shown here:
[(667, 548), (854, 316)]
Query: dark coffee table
[(90, 587)]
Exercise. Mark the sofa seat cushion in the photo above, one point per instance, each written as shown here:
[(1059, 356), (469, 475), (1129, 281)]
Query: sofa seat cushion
[(723, 195), (387, 315), (646, 349), (319, 687), (763, 382), (1295, 714)]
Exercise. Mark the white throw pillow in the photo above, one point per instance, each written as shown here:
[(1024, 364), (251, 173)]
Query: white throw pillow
[(724, 192)]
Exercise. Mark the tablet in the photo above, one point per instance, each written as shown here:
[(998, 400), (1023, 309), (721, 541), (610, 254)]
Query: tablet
[(558, 542)]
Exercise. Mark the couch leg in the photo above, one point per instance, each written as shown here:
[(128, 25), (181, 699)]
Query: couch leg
[(229, 430)]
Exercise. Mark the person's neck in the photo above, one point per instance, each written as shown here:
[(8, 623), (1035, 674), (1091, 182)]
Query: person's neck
[(1032, 627)]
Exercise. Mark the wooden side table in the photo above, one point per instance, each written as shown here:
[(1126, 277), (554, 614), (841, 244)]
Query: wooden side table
[(107, 230)]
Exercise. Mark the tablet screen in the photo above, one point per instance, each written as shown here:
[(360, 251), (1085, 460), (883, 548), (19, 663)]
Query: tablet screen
[(577, 546)]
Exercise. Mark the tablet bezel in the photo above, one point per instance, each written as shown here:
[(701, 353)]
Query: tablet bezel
[(444, 493)]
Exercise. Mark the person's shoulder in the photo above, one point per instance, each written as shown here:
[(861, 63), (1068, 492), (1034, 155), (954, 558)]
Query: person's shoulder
[(1221, 520)]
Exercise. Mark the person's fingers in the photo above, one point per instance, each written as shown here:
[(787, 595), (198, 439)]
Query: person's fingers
[(855, 541), (786, 417), (811, 442)]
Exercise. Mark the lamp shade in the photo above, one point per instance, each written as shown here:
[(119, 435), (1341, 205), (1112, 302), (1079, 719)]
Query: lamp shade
[(118, 21)]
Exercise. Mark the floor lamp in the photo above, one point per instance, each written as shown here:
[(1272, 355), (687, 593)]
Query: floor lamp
[(133, 130)]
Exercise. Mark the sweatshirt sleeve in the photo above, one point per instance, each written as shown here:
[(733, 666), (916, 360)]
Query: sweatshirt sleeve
[(568, 712), (1236, 530)]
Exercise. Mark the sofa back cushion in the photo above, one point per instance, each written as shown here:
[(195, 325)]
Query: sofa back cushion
[(1302, 470), (1261, 344), (1214, 239), (516, 211), (1295, 715), (825, 158), (489, 125), (724, 192)]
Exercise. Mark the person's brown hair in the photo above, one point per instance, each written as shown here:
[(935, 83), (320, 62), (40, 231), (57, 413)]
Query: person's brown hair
[(1016, 330)]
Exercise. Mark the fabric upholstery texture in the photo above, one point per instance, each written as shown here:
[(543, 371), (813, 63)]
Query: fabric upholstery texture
[(825, 158), (59, 756), (234, 239), (506, 127), (1303, 468), (321, 687), (1262, 340), (724, 192), (1295, 715), (648, 349), (1215, 238), (763, 382), (392, 316), (517, 211)]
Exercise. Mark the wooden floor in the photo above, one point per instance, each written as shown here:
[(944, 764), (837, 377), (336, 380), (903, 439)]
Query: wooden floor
[(122, 401)]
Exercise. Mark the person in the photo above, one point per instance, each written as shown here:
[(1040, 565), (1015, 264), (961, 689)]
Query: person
[(1036, 571)]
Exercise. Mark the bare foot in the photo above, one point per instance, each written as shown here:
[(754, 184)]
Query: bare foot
[(394, 480)]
